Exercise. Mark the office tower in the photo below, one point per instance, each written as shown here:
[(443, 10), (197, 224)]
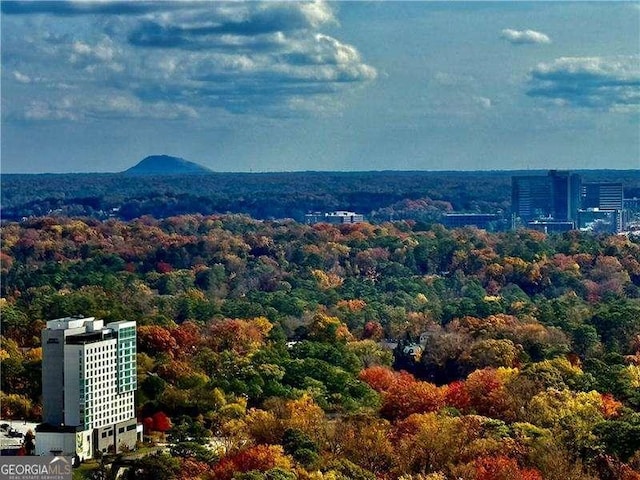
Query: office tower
[(604, 200), (88, 387), (530, 197), (565, 195), (554, 196), (604, 196)]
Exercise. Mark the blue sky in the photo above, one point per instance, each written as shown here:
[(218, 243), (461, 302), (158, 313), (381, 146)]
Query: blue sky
[(267, 86)]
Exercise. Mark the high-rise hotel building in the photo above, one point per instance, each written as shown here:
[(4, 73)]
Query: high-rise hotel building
[(88, 387)]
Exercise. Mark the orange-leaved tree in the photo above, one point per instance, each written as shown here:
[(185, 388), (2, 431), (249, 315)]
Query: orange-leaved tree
[(259, 457)]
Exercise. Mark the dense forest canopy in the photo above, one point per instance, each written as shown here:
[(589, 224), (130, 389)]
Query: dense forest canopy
[(379, 195), (397, 350)]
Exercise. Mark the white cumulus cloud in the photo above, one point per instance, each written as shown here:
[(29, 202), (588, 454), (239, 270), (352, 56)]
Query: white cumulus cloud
[(518, 37), (606, 83), (484, 102), (21, 77)]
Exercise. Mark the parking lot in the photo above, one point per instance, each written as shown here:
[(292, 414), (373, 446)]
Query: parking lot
[(14, 440)]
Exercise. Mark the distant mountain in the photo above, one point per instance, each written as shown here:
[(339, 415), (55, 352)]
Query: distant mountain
[(165, 165)]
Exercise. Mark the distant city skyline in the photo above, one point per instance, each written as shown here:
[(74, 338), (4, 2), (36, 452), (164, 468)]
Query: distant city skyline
[(344, 86)]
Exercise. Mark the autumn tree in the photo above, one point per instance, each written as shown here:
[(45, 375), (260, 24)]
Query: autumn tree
[(486, 393), (161, 422), (402, 394), (260, 457), (365, 441), (239, 336), (379, 378), (503, 468), (154, 339)]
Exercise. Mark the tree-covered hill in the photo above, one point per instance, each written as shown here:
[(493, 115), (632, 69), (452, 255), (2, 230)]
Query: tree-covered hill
[(165, 165)]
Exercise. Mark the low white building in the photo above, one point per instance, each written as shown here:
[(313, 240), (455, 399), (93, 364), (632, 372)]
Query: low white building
[(337, 217)]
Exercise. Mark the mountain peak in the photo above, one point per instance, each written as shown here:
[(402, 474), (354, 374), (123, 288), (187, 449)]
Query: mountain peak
[(165, 165)]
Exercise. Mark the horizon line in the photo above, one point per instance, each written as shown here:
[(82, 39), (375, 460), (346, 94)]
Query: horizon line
[(262, 172)]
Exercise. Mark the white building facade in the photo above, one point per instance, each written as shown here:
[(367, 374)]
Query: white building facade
[(337, 217), (88, 387)]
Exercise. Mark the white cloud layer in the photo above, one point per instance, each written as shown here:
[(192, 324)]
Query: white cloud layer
[(606, 83), (79, 107), (244, 57), (518, 37)]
